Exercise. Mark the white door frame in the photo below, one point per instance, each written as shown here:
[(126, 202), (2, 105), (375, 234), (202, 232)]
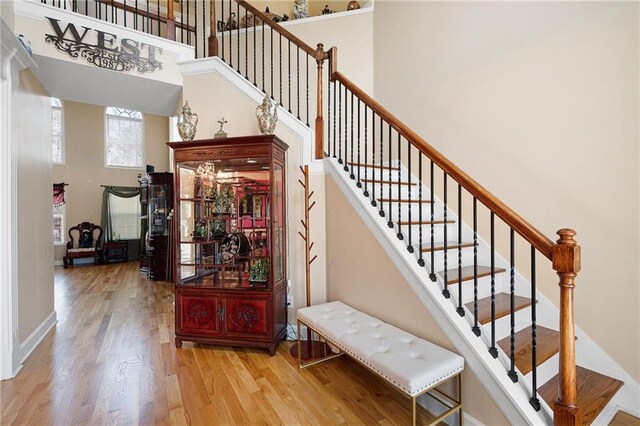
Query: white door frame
[(13, 59)]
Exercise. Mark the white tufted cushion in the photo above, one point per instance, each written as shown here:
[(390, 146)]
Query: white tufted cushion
[(411, 363)]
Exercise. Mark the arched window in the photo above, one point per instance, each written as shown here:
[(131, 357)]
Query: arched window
[(124, 146), (57, 131)]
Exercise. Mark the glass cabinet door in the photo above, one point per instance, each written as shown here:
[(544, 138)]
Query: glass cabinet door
[(158, 209), (224, 223)]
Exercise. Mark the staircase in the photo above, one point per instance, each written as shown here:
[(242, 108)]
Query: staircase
[(493, 299)]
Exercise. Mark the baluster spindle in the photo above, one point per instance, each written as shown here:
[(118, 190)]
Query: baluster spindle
[(204, 26), (334, 117), (255, 49), (399, 234), (195, 12), (280, 71), (445, 289), (271, 57), (339, 93), (381, 212), (512, 313), (432, 275), (307, 56), (237, 38), (366, 114), (329, 147), (421, 258), (410, 244), (492, 350), (476, 327), (298, 82), (460, 309), (223, 31), (246, 44), (158, 17), (351, 140), (534, 401), (262, 69), (346, 149), (289, 73), (390, 221), (358, 182)]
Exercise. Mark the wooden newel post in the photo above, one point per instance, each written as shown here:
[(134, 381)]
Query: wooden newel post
[(213, 30), (320, 56), (171, 24), (566, 262)]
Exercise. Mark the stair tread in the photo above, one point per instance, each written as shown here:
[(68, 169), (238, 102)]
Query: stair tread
[(547, 345), (402, 200), (595, 390), (388, 182), (624, 419), (450, 245), (467, 273), (373, 166), (503, 306)]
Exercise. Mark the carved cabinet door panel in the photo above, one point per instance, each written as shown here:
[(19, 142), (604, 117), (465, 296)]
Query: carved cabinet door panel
[(198, 315), (247, 316)]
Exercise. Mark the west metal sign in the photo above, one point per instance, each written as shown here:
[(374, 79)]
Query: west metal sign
[(103, 49)]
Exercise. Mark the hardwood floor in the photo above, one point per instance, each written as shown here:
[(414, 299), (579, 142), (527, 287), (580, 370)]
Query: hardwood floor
[(111, 360)]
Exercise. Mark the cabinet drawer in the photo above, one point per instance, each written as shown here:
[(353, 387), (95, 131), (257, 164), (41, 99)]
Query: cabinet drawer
[(247, 316), (198, 315)]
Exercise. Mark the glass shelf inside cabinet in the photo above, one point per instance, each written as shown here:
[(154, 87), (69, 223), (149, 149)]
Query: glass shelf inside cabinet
[(224, 225)]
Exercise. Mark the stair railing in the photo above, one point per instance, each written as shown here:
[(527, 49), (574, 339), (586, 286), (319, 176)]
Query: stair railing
[(373, 147)]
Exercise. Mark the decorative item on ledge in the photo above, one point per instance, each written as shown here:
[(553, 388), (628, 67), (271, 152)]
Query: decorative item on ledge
[(221, 134), (267, 114), (259, 271), (327, 11), (232, 23), (300, 9), (187, 123), (353, 5)]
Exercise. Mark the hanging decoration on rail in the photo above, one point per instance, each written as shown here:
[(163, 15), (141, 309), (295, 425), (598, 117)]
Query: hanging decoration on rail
[(101, 48)]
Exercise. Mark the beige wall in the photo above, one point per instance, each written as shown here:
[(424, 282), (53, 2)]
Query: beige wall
[(239, 111), (357, 265), (538, 102), (35, 252), (84, 168), (6, 13)]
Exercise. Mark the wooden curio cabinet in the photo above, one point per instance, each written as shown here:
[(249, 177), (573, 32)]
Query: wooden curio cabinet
[(230, 241), (156, 198)]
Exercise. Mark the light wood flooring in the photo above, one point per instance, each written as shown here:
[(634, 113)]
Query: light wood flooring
[(111, 360)]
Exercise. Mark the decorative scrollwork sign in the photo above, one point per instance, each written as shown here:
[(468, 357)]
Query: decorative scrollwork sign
[(104, 53)]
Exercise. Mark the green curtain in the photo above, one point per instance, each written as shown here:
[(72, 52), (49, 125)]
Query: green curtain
[(118, 191)]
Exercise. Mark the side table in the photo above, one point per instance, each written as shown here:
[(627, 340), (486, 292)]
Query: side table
[(115, 250)]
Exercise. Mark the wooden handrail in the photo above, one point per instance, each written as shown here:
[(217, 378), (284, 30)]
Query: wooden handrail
[(536, 238), (279, 29)]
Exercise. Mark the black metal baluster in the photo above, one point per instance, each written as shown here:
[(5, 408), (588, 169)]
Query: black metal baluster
[(351, 175), (298, 81), (381, 212), (373, 159), (460, 309), (445, 289), (237, 38), (512, 293), (329, 118), (340, 124), (432, 275), (534, 401), (410, 245), (399, 196), (366, 113), (124, 12), (158, 13), (246, 44), (263, 57), (346, 149), (230, 37), (255, 49), (135, 22), (358, 183), (492, 350), (307, 56), (204, 26), (195, 34), (421, 258), (334, 118), (223, 31), (390, 221), (280, 71), (475, 328), (289, 73)]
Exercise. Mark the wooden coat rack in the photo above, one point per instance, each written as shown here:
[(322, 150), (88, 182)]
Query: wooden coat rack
[(310, 349)]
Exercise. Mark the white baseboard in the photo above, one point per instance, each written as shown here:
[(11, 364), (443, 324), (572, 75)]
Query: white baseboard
[(35, 338), (470, 420), (57, 263)]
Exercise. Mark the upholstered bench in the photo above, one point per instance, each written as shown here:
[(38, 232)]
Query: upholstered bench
[(413, 365)]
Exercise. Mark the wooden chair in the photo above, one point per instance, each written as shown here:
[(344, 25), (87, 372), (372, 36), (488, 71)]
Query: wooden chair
[(86, 244)]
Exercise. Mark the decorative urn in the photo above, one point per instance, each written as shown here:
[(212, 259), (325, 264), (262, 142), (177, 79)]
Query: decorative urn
[(187, 123), (267, 115)]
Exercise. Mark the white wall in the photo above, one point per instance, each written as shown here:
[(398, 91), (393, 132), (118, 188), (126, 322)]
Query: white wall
[(539, 103)]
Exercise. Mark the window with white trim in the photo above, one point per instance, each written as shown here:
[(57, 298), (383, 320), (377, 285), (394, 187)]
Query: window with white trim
[(57, 131), (124, 146), (125, 217)]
